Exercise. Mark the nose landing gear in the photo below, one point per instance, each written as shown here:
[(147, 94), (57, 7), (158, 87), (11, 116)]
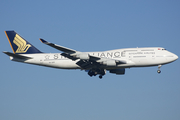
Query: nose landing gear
[(159, 71)]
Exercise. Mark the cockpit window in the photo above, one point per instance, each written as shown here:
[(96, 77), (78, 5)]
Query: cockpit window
[(163, 49)]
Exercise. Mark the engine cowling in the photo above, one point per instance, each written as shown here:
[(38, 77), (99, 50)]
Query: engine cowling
[(118, 71), (83, 56), (110, 63)]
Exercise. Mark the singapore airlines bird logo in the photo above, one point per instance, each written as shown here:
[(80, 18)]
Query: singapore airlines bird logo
[(22, 45)]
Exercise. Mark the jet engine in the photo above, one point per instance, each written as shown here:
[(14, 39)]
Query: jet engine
[(110, 63), (117, 71), (83, 56)]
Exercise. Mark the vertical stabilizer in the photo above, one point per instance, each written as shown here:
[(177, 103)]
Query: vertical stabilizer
[(19, 45)]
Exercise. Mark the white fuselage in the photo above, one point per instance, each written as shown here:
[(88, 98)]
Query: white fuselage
[(134, 57)]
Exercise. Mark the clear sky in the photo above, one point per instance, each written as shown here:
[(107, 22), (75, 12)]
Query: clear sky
[(29, 92)]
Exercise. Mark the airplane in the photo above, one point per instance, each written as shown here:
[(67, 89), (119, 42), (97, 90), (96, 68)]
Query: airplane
[(95, 63)]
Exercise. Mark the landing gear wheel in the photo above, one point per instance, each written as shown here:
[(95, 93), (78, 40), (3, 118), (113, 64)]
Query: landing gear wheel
[(159, 71), (91, 73), (100, 76)]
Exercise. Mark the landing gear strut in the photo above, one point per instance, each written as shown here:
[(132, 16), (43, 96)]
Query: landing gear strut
[(159, 66), (102, 72)]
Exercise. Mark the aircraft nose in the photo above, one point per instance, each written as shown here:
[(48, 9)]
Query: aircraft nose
[(175, 57), (171, 57)]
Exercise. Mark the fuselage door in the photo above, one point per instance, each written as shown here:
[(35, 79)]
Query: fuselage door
[(123, 54)]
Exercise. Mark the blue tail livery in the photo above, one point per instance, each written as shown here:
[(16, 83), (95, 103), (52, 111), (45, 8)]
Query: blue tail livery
[(19, 45)]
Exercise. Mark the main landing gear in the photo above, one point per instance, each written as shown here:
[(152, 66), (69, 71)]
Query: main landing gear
[(95, 72), (159, 71)]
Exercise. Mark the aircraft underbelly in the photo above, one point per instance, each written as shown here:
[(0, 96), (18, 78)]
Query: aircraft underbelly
[(62, 64)]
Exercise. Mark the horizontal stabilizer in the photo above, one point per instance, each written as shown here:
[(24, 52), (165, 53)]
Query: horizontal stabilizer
[(58, 47), (17, 55)]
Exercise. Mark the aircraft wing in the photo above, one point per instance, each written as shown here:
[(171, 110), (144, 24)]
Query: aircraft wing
[(86, 61), (58, 47)]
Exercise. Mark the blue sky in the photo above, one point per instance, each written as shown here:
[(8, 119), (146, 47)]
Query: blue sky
[(33, 92)]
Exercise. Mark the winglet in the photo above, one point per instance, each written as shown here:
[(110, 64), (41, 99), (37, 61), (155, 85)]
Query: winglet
[(43, 41)]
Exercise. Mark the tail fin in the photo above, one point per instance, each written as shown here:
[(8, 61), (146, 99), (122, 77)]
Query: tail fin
[(19, 45)]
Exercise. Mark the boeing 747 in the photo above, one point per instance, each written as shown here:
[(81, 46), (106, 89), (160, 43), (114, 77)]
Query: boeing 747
[(95, 63)]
